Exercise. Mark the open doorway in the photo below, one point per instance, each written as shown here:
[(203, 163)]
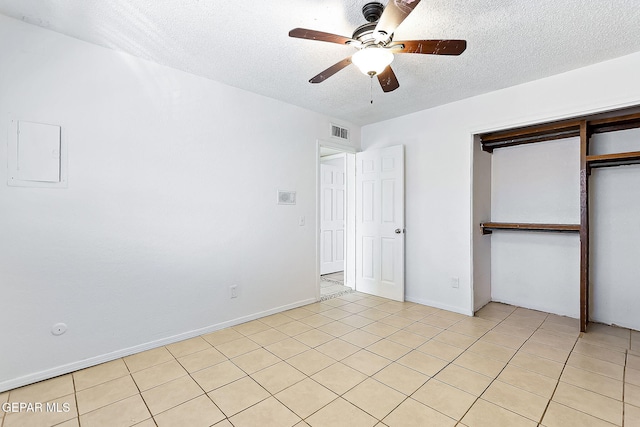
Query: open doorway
[(336, 228)]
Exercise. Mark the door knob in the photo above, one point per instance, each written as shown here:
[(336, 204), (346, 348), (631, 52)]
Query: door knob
[(398, 231)]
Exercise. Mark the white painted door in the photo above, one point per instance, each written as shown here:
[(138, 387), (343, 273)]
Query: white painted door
[(380, 222), (332, 190)]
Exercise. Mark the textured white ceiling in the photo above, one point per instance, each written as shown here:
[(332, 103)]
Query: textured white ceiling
[(246, 44)]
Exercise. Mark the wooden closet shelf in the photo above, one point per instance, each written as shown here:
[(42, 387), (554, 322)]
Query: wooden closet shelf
[(557, 130), (617, 159), (612, 124), (489, 227), (530, 135)]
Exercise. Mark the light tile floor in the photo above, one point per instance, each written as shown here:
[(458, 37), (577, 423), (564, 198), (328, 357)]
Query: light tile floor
[(332, 286), (357, 361)]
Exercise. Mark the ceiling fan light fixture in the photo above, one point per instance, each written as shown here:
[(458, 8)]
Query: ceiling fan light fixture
[(372, 60)]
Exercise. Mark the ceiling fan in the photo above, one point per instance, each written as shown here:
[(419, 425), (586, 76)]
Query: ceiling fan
[(375, 44)]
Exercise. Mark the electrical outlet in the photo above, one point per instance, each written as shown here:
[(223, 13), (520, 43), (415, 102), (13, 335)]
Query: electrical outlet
[(233, 291), (455, 282)]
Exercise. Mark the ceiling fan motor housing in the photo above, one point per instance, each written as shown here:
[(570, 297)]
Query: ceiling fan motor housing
[(365, 33), (372, 11)]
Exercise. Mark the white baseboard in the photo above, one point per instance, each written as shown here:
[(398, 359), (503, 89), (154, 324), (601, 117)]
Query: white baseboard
[(545, 309), (86, 363), (439, 305), (481, 304)]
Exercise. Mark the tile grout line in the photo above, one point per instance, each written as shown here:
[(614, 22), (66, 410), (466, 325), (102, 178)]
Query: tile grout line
[(264, 388), (205, 392), (496, 377), (597, 373), (138, 387), (463, 352), (624, 378), (75, 397), (407, 397), (430, 377), (340, 396), (4, 419), (285, 361), (516, 352), (558, 380)]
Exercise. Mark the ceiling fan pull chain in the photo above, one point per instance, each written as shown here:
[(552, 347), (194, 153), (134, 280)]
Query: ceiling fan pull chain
[(371, 88)]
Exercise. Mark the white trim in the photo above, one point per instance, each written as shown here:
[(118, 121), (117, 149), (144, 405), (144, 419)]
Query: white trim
[(554, 118), (333, 156), (439, 305), (350, 220), (318, 213), (574, 315), (337, 146), (472, 295), (86, 363)]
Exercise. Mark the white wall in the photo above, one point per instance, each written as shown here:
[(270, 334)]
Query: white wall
[(439, 141), (615, 233), (538, 183), (171, 197)]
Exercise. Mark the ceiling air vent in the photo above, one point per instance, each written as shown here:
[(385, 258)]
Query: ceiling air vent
[(339, 132)]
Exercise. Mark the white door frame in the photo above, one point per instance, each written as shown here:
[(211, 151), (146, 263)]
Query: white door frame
[(350, 260)]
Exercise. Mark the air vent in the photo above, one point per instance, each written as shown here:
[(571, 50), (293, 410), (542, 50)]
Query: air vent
[(339, 132)]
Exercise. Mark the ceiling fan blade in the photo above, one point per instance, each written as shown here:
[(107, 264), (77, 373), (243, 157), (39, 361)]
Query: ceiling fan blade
[(303, 33), (433, 47), (330, 71), (388, 80), (394, 13)]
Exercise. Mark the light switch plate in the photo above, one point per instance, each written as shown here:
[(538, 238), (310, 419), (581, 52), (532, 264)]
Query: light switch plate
[(286, 197)]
